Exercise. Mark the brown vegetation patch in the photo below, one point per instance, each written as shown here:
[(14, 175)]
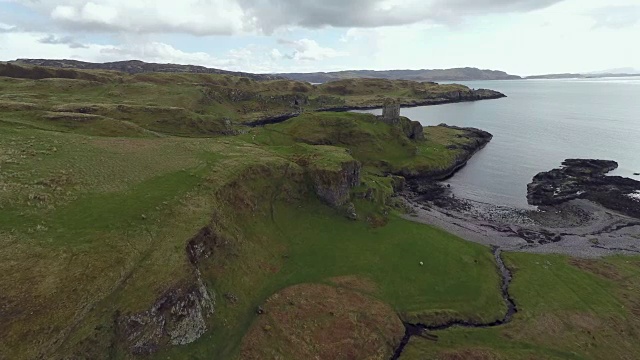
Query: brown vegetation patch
[(468, 354), (584, 321), (354, 282), (597, 267), (313, 321), (127, 145)]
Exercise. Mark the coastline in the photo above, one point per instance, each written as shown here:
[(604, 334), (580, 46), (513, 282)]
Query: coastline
[(479, 95), (577, 226)]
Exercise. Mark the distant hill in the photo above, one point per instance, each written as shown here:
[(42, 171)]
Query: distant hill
[(457, 74), (137, 67), (625, 70), (580, 76)]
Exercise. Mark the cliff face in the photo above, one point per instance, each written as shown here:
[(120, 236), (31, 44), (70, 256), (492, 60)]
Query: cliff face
[(334, 186)]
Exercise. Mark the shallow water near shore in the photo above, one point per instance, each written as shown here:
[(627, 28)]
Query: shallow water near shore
[(540, 124)]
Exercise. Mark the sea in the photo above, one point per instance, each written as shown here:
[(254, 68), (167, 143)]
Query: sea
[(538, 125)]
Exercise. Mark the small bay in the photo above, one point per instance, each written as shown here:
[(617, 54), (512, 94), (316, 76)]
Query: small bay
[(538, 125)]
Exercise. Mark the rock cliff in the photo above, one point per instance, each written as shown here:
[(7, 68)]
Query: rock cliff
[(333, 186)]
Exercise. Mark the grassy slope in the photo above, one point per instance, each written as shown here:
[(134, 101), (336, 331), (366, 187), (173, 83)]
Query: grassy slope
[(104, 213)]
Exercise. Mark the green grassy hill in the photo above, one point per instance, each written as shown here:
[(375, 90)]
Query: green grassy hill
[(135, 223)]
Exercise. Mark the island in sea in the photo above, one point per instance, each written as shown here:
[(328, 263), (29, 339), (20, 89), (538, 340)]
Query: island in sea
[(174, 212)]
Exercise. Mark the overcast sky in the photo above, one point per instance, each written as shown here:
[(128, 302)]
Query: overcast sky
[(522, 37)]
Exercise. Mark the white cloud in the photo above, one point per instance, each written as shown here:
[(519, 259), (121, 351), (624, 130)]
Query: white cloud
[(276, 54), (216, 17), (309, 50), (198, 17)]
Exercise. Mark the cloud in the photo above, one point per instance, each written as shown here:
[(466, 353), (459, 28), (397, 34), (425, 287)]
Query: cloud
[(226, 17), (616, 17), (6, 28), (67, 40), (197, 17), (269, 15), (308, 50)]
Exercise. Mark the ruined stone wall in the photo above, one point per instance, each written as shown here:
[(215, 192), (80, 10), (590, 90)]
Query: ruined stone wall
[(391, 112)]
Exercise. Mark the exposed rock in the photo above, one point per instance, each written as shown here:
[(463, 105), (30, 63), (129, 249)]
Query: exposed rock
[(334, 186), (412, 129), (177, 318), (397, 182), (350, 210), (202, 245), (586, 179)]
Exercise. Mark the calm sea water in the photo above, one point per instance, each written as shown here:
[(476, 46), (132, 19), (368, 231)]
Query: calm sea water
[(539, 124)]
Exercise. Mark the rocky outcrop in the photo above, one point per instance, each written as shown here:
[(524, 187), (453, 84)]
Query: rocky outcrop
[(412, 129), (334, 186), (178, 317), (586, 179)]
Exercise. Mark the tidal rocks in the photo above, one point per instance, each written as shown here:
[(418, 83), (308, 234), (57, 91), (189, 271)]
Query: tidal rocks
[(586, 179)]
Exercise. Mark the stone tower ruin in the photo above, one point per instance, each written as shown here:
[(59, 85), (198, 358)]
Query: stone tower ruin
[(391, 112)]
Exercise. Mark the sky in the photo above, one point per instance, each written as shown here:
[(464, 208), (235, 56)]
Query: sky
[(522, 37)]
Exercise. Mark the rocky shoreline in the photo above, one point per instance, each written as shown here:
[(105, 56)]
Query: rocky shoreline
[(581, 212)]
